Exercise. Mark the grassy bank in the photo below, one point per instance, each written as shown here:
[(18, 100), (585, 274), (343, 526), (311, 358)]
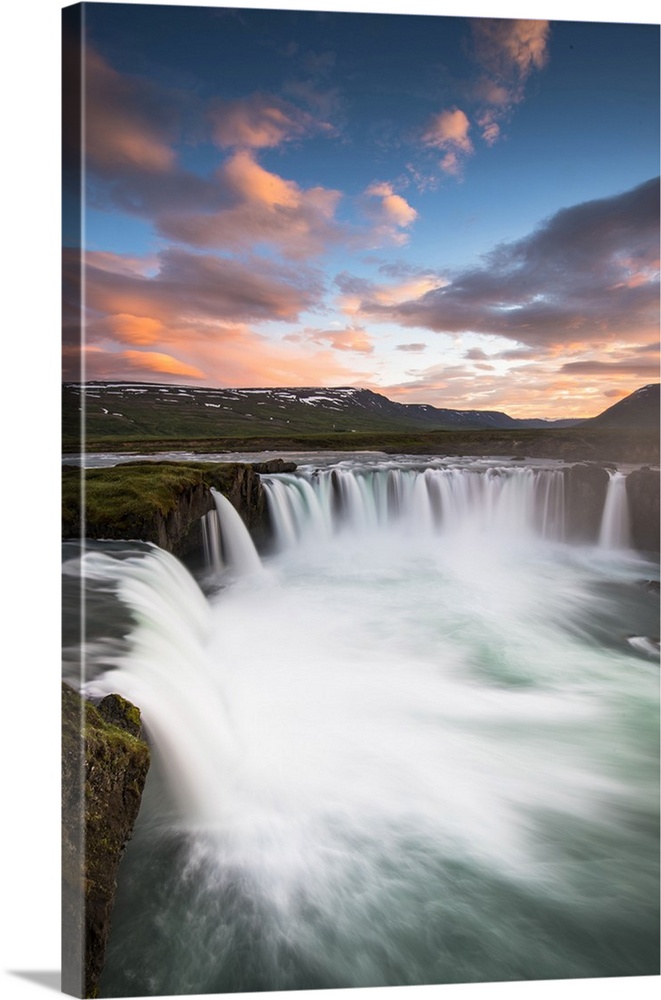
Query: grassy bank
[(122, 501)]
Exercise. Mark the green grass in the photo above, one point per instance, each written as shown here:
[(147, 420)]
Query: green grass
[(570, 444), (123, 499)]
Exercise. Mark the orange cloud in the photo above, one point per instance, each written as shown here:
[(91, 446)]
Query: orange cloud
[(140, 330), (157, 363), (265, 208), (255, 184)]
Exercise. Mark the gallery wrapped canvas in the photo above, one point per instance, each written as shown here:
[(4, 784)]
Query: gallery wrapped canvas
[(360, 500)]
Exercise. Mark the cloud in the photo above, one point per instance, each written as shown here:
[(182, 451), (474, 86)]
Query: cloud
[(351, 338), (133, 130), (155, 362), (413, 348), (260, 208), (564, 283), (258, 122), (412, 283), (448, 131), (130, 124), (199, 287), (508, 51), (139, 330), (190, 319), (389, 213), (641, 369)]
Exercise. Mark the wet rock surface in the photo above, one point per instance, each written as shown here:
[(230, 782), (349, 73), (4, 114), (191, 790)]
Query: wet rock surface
[(105, 762), (643, 497)]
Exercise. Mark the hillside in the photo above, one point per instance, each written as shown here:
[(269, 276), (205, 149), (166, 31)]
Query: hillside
[(639, 410), (139, 411)]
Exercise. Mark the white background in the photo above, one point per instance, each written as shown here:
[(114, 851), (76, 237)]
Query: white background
[(29, 522)]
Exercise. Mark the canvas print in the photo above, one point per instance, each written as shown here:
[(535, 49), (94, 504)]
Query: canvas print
[(360, 500)]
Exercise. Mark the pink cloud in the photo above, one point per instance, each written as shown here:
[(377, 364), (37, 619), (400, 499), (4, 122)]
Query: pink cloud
[(202, 288), (389, 213), (508, 51), (128, 123), (351, 338), (263, 208), (257, 122), (449, 129)]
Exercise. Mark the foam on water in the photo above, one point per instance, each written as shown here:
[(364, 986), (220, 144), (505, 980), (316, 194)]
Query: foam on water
[(400, 754)]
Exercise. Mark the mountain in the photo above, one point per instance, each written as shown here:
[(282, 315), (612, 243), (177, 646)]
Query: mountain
[(175, 411), (639, 410)]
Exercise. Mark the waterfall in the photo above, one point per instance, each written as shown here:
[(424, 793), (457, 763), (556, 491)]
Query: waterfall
[(507, 502), (375, 761), (615, 530), (168, 674), (211, 542), (233, 538)]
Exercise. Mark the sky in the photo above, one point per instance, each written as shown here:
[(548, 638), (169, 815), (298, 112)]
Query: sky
[(462, 211)]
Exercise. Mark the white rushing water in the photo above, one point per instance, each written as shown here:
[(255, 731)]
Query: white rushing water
[(418, 746), (615, 531)]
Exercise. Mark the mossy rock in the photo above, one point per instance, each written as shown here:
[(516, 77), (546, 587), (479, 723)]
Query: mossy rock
[(105, 762), (159, 502)]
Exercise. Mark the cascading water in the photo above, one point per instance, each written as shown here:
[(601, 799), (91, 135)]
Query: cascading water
[(232, 537), (419, 747), (509, 501), (614, 532)]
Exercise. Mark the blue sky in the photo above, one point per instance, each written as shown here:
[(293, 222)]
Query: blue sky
[(454, 210)]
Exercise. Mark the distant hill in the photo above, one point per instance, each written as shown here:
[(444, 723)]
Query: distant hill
[(639, 410), (140, 409)]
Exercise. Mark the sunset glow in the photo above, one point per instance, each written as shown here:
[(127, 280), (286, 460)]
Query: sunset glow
[(455, 211)]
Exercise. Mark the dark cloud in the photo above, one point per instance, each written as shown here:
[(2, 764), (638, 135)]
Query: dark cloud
[(413, 348), (642, 369), (204, 288), (589, 273)]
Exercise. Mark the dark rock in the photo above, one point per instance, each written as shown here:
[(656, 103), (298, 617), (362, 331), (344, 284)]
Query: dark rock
[(585, 494), (643, 497), (160, 502), (274, 465), (179, 531), (104, 767)]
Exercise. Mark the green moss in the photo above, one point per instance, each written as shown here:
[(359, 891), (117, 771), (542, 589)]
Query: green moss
[(125, 500)]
